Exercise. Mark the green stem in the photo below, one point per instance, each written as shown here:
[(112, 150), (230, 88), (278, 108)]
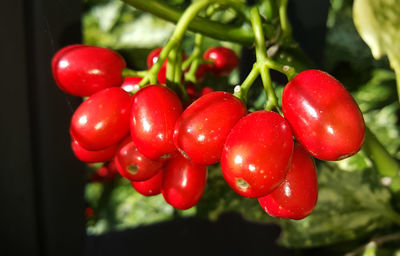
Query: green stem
[(385, 164), (130, 72), (224, 32), (261, 55), (242, 91), (196, 60), (285, 25)]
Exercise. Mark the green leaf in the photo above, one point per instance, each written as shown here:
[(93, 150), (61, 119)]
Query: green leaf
[(350, 205), (378, 22)]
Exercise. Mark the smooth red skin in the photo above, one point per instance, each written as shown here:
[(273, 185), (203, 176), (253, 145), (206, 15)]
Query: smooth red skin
[(297, 196), (153, 115), (85, 70), (93, 156), (258, 151), (131, 83), (102, 120), (183, 182), (224, 60), (133, 165), (149, 187), (60, 53), (201, 130), (323, 115), (153, 57)]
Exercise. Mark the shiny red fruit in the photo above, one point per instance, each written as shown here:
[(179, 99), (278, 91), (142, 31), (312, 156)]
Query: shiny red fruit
[(201, 130), (149, 187), (224, 60), (154, 112), (296, 197), (133, 165), (324, 117), (82, 70), (257, 153), (93, 156), (131, 83), (153, 57), (183, 182), (102, 120)]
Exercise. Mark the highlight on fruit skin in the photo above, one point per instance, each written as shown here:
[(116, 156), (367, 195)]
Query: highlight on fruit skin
[(323, 115), (297, 195)]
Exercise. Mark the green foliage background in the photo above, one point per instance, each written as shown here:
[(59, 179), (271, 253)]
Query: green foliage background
[(353, 205)]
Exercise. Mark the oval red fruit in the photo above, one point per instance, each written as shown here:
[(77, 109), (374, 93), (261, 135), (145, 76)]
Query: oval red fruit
[(323, 115), (102, 120), (93, 156), (133, 165), (296, 197), (149, 187), (201, 130), (183, 182), (257, 153), (83, 70), (154, 112), (224, 60)]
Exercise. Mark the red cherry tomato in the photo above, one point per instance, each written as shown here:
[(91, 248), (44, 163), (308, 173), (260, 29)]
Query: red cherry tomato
[(102, 120), (183, 182), (224, 60), (257, 153), (296, 197), (154, 112), (324, 117), (133, 165), (83, 70), (93, 156), (149, 187), (131, 83), (201, 130)]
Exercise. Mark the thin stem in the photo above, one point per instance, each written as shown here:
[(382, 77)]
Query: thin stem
[(196, 60), (241, 92), (224, 32), (285, 25), (261, 55), (130, 72), (397, 72)]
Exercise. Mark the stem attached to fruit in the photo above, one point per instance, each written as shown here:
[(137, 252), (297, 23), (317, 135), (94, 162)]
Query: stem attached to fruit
[(242, 90), (261, 55)]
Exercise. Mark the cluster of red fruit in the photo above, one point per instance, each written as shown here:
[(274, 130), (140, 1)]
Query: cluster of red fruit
[(163, 148)]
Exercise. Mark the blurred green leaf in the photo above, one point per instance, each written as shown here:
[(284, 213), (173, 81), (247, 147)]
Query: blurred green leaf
[(350, 205)]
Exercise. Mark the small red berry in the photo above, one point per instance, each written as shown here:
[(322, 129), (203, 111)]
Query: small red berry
[(323, 116), (257, 153), (93, 156), (296, 197), (82, 70), (102, 120), (224, 60), (131, 83), (153, 115), (183, 182), (149, 187), (133, 165), (201, 130)]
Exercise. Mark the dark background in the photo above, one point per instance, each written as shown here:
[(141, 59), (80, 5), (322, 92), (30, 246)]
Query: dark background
[(42, 184)]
